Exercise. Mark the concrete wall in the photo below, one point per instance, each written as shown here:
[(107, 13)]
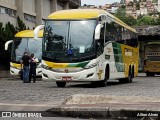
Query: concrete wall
[(59, 7), (8, 3), (4, 18), (29, 24), (29, 7), (46, 9)]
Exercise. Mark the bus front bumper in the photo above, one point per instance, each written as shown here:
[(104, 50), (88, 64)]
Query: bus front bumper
[(85, 75), (152, 70)]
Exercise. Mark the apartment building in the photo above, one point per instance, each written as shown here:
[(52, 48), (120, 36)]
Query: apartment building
[(145, 7), (32, 12)]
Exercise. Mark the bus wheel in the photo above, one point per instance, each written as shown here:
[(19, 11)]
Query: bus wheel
[(152, 74), (147, 74), (103, 83), (132, 71), (130, 76), (61, 84)]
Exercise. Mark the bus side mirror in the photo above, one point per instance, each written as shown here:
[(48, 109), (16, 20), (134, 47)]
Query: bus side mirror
[(97, 32), (7, 44), (36, 31)]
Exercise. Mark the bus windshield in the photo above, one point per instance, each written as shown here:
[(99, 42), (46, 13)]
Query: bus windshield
[(69, 41), (20, 45), (152, 52)]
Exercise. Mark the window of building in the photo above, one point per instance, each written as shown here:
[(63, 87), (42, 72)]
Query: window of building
[(7, 11), (2, 10), (11, 12), (30, 18)]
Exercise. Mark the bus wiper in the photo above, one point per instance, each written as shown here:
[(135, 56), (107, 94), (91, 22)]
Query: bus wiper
[(70, 51)]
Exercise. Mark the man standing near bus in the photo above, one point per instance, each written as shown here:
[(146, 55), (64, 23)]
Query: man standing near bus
[(32, 72), (25, 62)]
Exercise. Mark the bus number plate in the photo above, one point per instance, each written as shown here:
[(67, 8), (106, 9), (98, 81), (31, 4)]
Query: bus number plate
[(67, 78)]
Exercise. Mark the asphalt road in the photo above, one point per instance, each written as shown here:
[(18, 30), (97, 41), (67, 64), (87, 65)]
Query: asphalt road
[(40, 96)]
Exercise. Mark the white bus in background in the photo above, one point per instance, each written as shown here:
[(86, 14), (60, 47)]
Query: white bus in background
[(152, 58), (24, 41)]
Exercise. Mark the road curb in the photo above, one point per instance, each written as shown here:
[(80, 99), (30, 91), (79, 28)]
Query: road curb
[(105, 112), (81, 106)]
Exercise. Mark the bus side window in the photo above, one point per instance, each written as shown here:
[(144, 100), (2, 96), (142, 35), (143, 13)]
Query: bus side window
[(109, 31), (102, 34), (100, 42), (133, 40), (118, 33)]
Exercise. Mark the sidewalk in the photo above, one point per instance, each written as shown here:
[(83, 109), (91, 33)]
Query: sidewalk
[(5, 74), (117, 107)]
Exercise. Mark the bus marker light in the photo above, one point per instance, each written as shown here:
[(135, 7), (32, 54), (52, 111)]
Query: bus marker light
[(66, 70), (67, 78)]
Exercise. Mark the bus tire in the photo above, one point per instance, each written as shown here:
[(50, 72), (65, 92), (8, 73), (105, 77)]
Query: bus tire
[(130, 74), (147, 74), (61, 84), (122, 80), (103, 83), (152, 74), (129, 79), (132, 71)]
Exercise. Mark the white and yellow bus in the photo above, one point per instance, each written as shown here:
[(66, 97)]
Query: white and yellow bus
[(152, 58), (88, 45), (24, 41)]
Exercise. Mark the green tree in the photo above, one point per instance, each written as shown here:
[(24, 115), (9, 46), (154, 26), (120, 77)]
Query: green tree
[(130, 3), (123, 7), (1, 32), (155, 1), (128, 19), (2, 37), (10, 31), (137, 5), (120, 13), (158, 20), (7, 33), (21, 25), (146, 20)]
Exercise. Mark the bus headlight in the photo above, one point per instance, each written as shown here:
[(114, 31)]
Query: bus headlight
[(46, 67), (39, 66), (15, 67), (91, 65)]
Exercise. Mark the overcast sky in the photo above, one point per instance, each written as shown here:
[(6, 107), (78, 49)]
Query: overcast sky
[(98, 2)]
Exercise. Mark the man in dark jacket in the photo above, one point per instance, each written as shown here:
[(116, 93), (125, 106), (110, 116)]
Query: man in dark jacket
[(25, 62)]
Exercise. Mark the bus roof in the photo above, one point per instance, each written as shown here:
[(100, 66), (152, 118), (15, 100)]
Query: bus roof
[(86, 14), (28, 34), (76, 14)]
